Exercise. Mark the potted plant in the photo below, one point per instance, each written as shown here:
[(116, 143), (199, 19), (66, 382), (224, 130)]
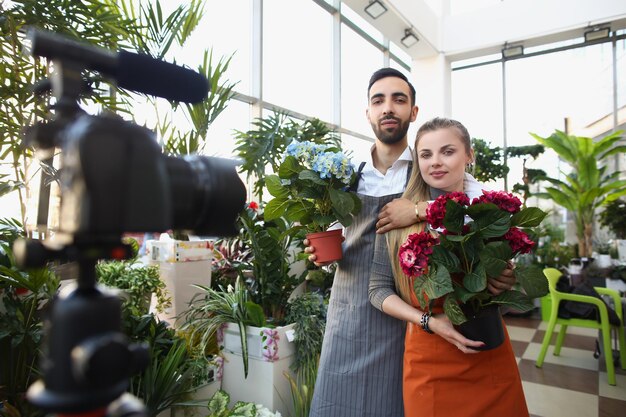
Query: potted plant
[(613, 217), (219, 406), (174, 371), (255, 353), (274, 252), (452, 269), (24, 298), (308, 311), (138, 281), (312, 189)]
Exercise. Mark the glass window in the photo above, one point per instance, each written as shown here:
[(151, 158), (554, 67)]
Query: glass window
[(477, 103), (297, 56), (358, 149), (400, 53), (543, 91), (227, 30), (220, 139), (361, 23), (621, 76), (359, 60)]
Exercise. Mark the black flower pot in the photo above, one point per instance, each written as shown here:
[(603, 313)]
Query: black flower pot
[(484, 325)]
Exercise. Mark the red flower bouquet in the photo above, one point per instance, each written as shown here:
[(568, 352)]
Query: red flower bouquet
[(475, 241)]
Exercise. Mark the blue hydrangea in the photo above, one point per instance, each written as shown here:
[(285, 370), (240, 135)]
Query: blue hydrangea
[(327, 164), (305, 151)]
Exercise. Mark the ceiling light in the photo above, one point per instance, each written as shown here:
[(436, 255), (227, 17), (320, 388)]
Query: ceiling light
[(597, 33), (409, 38), (375, 9), (512, 51)]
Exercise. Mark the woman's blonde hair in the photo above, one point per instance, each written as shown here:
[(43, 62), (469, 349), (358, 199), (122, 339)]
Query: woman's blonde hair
[(418, 190)]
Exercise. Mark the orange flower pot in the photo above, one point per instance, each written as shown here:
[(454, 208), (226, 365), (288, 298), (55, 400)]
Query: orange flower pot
[(327, 245)]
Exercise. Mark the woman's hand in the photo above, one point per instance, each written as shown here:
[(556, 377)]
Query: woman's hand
[(400, 212), (504, 282), (442, 327)]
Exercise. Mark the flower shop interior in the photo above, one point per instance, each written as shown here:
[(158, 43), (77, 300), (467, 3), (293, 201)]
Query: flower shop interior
[(202, 295)]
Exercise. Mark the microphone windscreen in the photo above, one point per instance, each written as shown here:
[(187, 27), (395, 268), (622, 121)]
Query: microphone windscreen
[(142, 73)]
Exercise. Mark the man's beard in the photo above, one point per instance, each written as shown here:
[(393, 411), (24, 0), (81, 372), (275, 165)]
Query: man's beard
[(391, 137)]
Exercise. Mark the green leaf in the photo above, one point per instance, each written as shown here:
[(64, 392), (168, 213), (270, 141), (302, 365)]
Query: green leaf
[(494, 257), (476, 280), (419, 288), (495, 226), (342, 202), (438, 283), (462, 294), (459, 238), (532, 280), (275, 208), (298, 211), (275, 187), (254, 314), (443, 257), (453, 311), (514, 299), (528, 217), (312, 176), (218, 404), (289, 168), (455, 217)]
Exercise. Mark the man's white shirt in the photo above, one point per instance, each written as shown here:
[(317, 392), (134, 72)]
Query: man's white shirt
[(373, 183)]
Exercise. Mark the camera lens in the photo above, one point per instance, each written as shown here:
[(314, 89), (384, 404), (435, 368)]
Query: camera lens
[(207, 195)]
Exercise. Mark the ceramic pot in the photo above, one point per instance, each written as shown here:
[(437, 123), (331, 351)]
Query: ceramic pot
[(484, 325), (327, 245)]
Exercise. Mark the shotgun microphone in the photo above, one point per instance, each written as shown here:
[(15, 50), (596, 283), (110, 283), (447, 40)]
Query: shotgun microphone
[(132, 71)]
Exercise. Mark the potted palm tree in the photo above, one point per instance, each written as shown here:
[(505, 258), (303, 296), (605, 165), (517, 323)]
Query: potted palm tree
[(588, 186)]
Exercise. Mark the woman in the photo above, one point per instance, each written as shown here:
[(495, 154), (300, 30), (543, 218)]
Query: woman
[(443, 374)]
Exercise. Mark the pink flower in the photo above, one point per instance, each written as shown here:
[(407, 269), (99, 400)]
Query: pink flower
[(436, 211), (518, 240), (505, 201), (414, 253)]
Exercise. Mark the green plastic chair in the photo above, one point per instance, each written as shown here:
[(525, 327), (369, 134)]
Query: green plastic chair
[(604, 325)]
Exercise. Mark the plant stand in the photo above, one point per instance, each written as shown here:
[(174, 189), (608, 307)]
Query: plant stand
[(270, 353), (181, 265)]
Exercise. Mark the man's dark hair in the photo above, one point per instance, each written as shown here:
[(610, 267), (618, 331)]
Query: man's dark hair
[(390, 72)]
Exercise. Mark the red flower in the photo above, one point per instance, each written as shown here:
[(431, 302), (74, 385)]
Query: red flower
[(254, 206), (436, 211), (505, 201), (518, 240), (414, 253), (21, 290)]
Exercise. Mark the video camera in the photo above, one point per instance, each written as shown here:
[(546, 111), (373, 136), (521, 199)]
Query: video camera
[(114, 179)]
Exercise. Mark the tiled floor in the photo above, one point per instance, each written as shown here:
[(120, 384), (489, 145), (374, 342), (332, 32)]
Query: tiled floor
[(573, 384)]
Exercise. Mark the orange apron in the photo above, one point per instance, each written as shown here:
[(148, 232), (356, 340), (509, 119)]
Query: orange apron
[(441, 381)]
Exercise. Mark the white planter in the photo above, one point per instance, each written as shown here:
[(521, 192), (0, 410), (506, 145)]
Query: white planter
[(179, 278), (270, 353), (603, 261), (621, 250)]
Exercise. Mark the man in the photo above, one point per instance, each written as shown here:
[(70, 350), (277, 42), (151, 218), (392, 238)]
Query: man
[(360, 369)]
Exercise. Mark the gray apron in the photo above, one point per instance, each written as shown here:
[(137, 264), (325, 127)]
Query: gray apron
[(360, 369)]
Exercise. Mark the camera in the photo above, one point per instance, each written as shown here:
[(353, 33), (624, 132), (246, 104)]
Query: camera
[(114, 179)]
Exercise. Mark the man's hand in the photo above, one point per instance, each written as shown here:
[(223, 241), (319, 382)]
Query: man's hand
[(313, 257), (396, 214), (504, 282)]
